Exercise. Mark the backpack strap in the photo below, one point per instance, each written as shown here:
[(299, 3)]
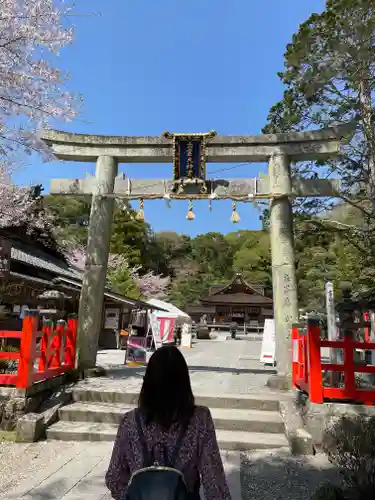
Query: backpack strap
[(146, 457)]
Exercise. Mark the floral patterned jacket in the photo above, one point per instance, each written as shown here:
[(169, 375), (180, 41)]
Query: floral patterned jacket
[(198, 458)]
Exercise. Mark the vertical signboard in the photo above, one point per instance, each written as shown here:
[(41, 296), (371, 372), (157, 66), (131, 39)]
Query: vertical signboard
[(155, 329), (331, 320), (267, 356), (5, 251)]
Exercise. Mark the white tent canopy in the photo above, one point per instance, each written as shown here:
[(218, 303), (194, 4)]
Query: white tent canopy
[(181, 316)]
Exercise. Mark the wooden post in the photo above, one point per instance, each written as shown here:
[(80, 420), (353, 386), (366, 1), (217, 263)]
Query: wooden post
[(27, 350)]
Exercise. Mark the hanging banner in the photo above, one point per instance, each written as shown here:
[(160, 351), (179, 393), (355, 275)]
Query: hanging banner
[(267, 355), (162, 327), (167, 325)]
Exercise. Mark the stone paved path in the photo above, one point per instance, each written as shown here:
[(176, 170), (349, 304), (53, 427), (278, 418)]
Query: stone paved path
[(229, 367)]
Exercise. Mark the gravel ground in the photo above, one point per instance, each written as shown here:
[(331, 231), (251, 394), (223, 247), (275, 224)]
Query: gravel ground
[(276, 475)]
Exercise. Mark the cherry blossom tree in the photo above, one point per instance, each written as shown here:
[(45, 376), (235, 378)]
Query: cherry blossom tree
[(153, 285), (32, 91), (21, 206), (120, 273), (15, 202), (75, 255)]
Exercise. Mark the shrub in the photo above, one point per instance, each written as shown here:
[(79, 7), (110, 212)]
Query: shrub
[(8, 365), (349, 443), (329, 492)]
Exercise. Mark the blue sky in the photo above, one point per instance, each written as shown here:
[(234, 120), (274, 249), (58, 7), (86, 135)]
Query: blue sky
[(145, 66)]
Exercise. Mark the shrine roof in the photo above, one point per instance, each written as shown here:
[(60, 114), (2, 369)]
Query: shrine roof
[(238, 279), (238, 291), (43, 254), (38, 259)]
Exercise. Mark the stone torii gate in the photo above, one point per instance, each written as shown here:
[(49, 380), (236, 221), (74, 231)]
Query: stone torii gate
[(279, 150)]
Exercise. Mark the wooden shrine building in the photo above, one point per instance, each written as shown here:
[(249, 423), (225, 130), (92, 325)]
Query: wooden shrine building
[(246, 304)]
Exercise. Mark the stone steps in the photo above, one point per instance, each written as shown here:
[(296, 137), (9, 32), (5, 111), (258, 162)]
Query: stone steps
[(268, 402), (242, 422), (224, 418), (228, 440)]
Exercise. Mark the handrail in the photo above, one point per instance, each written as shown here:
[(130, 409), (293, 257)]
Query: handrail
[(56, 350), (307, 366)]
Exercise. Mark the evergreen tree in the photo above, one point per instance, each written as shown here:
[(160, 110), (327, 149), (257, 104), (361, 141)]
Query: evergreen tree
[(130, 237), (329, 77)]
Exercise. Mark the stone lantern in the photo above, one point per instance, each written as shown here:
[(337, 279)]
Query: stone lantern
[(53, 305)]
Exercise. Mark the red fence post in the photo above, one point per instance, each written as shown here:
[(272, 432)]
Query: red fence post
[(295, 353), (314, 365), (27, 349), (71, 341), (57, 343), (47, 330), (305, 351), (366, 318), (349, 367)]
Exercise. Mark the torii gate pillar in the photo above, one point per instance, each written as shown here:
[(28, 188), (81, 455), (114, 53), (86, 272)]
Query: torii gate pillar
[(94, 278), (284, 281)]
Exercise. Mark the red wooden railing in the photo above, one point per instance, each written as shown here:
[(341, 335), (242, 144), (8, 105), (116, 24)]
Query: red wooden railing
[(57, 351), (308, 368)]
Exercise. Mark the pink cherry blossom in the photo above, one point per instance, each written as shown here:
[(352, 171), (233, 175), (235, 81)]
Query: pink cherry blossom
[(150, 284), (153, 285), (17, 205), (32, 89)]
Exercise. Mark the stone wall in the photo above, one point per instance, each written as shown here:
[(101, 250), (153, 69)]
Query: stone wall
[(15, 403), (13, 407), (316, 417)]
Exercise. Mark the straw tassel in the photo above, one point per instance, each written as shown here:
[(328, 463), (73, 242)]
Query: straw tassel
[(190, 215), (235, 216), (168, 200), (140, 214)]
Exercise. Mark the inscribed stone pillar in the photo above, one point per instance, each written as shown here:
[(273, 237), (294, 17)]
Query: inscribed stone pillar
[(283, 266), (94, 279)]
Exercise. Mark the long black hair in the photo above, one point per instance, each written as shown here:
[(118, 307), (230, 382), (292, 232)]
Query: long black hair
[(166, 396)]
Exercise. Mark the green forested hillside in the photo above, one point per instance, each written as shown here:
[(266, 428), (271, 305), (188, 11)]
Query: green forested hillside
[(195, 264)]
